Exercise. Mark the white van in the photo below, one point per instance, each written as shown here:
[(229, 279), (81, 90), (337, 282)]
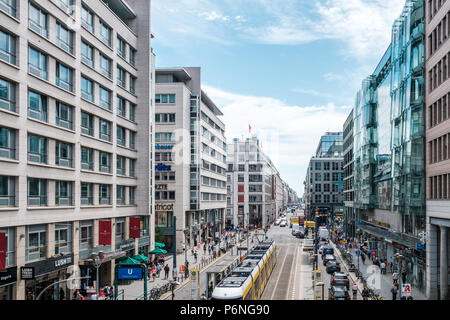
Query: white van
[(323, 234)]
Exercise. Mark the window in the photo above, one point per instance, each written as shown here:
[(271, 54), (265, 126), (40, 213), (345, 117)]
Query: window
[(318, 166), (164, 137), (133, 85), (7, 143), (87, 158), (64, 154), (87, 123), (64, 115), (37, 106), (120, 195), (86, 234), (9, 6), (36, 242), (105, 66), (105, 34), (64, 38), (7, 47), (165, 117), (132, 167), (165, 98), (37, 63), (64, 77), (87, 89), (66, 6), (242, 167), (37, 20), (326, 166), (63, 193), (133, 112), (104, 98), (121, 108), (7, 191), (105, 162), (7, 95), (105, 130), (133, 140), (37, 192), (104, 194), (133, 56), (120, 230), (121, 77), (63, 238), (87, 19), (121, 140), (87, 54), (120, 165), (87, 193), (132, 194), (37, 149), (121, 47)]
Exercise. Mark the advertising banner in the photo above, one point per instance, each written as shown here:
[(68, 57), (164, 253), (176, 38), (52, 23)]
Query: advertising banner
[(104, 232)]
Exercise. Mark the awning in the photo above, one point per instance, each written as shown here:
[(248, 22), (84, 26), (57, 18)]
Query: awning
[(158, 251), (129, 260), (141, 258), (389, 236), (159, 244)]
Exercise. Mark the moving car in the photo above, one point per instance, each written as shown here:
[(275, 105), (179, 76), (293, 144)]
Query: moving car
[(327, 250), (338, 293), (295, 229), (340, 279), (283, 223), (300, 233), (277, 222), (333, 266), (327, 258), (323, 234)]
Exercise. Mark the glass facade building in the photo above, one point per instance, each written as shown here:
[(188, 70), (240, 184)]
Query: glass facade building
[(389, 184)]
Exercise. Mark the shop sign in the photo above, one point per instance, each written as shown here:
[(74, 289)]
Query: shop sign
[(27, 273), (163, 167), (127, 245), (8, 276), (163, 147), (419, 246), (129, 273), (164, 207), (406, 290), (161, 187)]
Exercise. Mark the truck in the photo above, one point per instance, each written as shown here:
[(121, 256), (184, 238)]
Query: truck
[(293, 220), (301, 218), (308, 245)]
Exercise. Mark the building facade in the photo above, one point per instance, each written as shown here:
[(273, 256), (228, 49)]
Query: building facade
[(388, 144), (190, 158), (347, 172), (437, 17), (75, 106)]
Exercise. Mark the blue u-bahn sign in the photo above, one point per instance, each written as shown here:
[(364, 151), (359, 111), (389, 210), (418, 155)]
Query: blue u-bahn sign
[(129, 273)]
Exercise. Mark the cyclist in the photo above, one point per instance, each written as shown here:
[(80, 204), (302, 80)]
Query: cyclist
[(355, 291)]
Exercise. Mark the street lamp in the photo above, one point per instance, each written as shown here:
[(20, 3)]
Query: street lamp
[(97, 259), (173, 283)]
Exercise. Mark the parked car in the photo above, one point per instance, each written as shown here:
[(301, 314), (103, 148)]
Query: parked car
[(277, 222), (338, 293), (333, 266), (327, 258), (300, 233), (283, 223), (340, 279), (295, 228)]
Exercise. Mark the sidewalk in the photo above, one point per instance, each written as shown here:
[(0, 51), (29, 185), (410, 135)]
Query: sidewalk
[(382, 282), (136, 288)]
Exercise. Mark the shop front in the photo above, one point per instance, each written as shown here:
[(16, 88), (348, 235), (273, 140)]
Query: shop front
[(8, 278), (164, 221), (41, 274)]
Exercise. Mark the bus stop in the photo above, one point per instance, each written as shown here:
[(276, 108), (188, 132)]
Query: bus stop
[(216, 273)]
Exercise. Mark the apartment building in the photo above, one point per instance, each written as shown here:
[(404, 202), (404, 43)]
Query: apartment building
[(437, 124), (254, 186), (349, 216), (76, 97), (190, 171)]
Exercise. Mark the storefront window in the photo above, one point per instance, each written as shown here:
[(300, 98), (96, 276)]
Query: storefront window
[(36, 242), (164, 219)]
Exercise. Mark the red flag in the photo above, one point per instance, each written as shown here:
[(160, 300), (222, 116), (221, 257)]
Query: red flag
[(104, 232), (135, 230), (2, 251), (249, 128)]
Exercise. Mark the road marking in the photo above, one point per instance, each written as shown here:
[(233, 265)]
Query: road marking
[(292, 284), (281, 268)]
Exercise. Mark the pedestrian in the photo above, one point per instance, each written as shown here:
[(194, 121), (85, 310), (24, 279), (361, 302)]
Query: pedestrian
[(154, 273), (61, 294), (404, 273), (30, 295), (355, 291), (383, 268), (395, 277), (363, 257), (149, 270), (203, 296), (204, 248), (78, 295), (192, 251), (158, 269), (195, 256), (166, 270), (209, 249)]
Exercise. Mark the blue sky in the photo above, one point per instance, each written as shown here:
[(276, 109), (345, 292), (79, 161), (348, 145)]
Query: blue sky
[(290, 68)]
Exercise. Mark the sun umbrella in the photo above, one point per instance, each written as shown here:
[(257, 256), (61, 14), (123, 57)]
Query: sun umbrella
[(159, 244), (129, 260), (141, 258), (158, 251)]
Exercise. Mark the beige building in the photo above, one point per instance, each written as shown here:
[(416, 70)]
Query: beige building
[(437, 30), (76, 120), (190, 159)]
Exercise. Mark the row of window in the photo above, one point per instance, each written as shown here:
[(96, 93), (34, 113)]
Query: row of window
[(164, 195), (213, 153), (213, 182), (212, 123), (164, 137), (439, 149), (326, 177), (439, 73), (214, 139), (326, 188), (433, 7), (241, 167), (165, 117), (165, 98), (439, 188), (164, 176), (213, 197), (439, 111), (438, 36), (326, 198), (37, 193), (165, 156), (251, 188), (213, 167), (326, 165)]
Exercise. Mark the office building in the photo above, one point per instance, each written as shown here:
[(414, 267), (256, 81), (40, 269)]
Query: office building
[(347, 173)]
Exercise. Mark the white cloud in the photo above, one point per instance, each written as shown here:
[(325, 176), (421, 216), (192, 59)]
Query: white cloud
[(289, 133)]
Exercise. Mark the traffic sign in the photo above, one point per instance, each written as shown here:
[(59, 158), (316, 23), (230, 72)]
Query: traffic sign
[(130, 273), (406, 289)]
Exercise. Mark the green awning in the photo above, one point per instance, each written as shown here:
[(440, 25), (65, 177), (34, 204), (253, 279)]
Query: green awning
[(159, 244), (140, 258), (129, 260), (158, 251)]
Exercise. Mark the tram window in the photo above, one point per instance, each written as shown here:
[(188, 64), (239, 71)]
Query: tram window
[(249, 294), (257, 286)]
